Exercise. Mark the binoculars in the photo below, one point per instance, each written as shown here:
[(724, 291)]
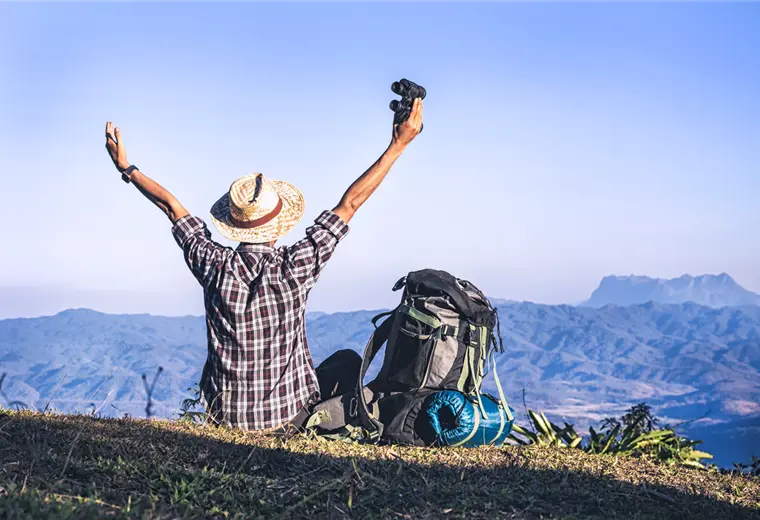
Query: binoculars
[(408, 90)]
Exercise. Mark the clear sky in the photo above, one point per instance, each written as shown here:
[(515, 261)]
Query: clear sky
[(563, 142)]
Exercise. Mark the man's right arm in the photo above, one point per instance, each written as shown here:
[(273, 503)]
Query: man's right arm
[(358, 193), (152, 190)]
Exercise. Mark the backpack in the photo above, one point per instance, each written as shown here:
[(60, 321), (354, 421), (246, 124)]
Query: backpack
[(441, 337)]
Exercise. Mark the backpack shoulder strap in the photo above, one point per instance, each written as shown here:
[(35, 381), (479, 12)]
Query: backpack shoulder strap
[(376, 341)]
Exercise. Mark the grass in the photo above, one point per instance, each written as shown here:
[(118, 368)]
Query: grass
[(63, 466)]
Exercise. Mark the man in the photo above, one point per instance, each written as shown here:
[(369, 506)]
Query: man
[(259, 374)]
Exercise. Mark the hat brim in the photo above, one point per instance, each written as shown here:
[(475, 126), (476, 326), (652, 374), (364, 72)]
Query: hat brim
[(290, 215)]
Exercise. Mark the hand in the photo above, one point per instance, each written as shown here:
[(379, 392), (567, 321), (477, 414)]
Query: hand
[(404, 133), (116, 148)]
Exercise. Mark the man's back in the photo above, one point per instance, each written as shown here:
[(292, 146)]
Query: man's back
[(259, 372)]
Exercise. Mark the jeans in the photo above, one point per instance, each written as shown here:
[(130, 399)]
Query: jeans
[(336, 375)]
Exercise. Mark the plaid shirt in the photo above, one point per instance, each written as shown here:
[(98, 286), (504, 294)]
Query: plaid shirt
[(259, 372)]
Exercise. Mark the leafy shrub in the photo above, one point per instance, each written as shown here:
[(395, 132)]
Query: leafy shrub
[(635, 434), (546, 433), (188, 412), (751, 469)]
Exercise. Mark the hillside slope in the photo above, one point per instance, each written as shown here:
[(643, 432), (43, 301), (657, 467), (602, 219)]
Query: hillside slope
[(79, 467)]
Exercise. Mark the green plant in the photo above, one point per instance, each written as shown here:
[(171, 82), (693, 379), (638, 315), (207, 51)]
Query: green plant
[(752, 469), (546, 433), (640, 419), (188, 412), (634, 435)]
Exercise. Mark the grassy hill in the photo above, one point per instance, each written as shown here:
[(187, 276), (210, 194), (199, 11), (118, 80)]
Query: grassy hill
[(61, 466)]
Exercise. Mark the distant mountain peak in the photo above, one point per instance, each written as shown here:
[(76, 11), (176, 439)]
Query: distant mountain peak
[(78, 311), (501, 301), (711, 290)]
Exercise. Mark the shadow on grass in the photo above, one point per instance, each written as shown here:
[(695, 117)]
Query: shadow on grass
[(61, 466)]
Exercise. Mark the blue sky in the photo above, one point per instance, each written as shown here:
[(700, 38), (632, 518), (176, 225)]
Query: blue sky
[(563, 142)]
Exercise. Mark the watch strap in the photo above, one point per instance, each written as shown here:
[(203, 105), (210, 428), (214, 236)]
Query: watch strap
[(125, 175)]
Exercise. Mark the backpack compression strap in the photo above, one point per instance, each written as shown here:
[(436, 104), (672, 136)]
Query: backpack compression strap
[(376, 340), (502, 397), (492, 360)]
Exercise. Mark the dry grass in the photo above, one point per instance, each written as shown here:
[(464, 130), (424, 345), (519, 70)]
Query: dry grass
[(57, 466)]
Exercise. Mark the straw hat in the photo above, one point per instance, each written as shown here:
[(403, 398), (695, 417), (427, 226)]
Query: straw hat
[(257, 210)]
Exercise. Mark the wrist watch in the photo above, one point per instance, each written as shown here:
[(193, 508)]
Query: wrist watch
[(126, 174)]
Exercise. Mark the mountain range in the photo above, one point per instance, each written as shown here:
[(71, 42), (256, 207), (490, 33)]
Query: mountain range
[(709, 290), (576, 363)]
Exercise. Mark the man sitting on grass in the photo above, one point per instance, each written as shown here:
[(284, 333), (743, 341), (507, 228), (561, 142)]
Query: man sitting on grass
[(259, 374)]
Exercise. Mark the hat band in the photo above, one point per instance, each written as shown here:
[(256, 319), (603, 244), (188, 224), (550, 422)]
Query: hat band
[(259, 221)]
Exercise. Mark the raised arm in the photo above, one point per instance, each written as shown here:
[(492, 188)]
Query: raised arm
[(358, 193), (152, 190)]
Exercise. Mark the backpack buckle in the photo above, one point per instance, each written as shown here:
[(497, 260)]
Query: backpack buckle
[(447, 331), (353, 407)]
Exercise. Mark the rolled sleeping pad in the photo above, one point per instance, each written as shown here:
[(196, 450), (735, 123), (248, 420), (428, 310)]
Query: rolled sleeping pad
[(456, 420)]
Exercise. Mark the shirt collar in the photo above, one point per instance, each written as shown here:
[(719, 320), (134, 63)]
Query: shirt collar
[(255, 248)]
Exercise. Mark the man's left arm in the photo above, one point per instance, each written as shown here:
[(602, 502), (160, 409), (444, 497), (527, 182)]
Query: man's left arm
[(307, 257)]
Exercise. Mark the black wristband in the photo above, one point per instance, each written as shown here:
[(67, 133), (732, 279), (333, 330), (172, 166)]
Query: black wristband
[(125, 175)]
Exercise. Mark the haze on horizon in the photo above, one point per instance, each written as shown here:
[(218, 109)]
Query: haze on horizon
[(562, 143)]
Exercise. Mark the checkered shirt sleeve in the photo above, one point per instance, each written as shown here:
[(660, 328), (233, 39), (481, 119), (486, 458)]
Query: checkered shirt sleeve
[(306, 258), (203, 256)]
